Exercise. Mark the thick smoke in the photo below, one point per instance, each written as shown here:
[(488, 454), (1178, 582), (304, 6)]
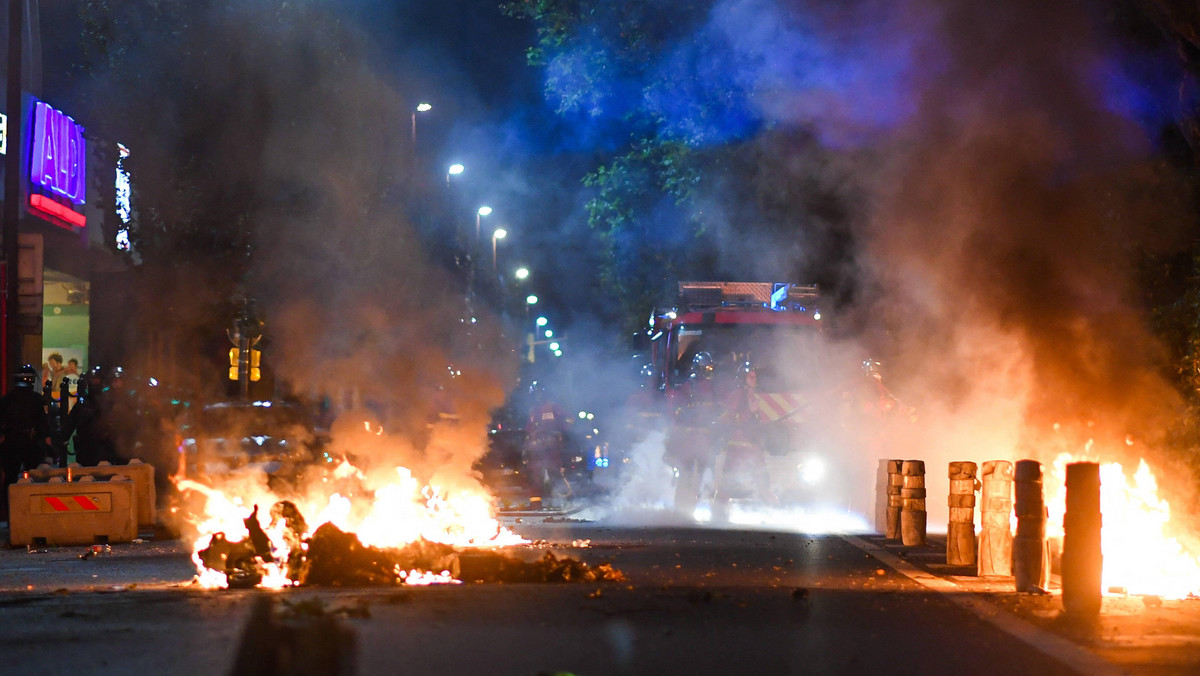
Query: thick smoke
[(357, 309), (1005, 230), (1003, 188), (973, 166), (1004, 227), (289, 114)]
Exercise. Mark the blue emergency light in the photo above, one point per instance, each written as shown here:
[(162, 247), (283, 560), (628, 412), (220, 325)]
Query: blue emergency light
[(778, 295)]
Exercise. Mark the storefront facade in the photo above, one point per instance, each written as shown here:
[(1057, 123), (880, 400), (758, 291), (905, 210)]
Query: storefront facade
[(68, 218)]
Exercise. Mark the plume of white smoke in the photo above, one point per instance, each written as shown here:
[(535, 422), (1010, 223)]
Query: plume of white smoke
[(1006, 193)]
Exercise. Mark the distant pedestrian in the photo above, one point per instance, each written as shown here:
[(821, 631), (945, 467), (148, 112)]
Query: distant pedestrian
[(71, 372), (52, 372)]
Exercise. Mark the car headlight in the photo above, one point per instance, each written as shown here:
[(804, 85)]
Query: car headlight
[(812, 470)]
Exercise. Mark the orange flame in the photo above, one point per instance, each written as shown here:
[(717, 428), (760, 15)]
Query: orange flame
[(390, 515), (1140, 554)]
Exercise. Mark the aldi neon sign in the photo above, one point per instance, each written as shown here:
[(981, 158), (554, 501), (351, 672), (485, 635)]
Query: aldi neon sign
[(57, 162)]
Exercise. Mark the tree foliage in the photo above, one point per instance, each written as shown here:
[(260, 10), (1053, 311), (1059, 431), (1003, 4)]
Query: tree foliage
[(1171, 279), (686, 182)]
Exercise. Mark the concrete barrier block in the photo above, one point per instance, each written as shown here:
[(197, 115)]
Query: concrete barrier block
[(58, 512), (145, 494)]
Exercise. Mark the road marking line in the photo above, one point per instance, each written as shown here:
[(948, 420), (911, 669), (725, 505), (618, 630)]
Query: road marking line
[(1053, 645)]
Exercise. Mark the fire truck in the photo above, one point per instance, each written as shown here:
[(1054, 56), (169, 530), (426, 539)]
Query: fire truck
[(808, 403)]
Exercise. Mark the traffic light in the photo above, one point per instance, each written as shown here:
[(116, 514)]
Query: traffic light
[(253, 369)]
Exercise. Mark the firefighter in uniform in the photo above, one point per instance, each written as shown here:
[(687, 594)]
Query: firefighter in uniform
[(690, 448), (743, 462), (24, 426), (875, 408)]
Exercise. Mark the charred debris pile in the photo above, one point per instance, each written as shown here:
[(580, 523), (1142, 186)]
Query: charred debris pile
[(335, 558)]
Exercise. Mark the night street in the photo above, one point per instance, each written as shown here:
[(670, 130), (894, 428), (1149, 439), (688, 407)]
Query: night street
[(586, 338), (697, 601)]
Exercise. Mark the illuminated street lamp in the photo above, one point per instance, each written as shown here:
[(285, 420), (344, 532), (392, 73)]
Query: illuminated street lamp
[(454, 170), (497, 234), (542, 321), (484, 210), (522, 273), (421, 108), (532, 300)]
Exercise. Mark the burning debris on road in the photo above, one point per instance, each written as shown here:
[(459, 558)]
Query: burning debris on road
[(332, 557)]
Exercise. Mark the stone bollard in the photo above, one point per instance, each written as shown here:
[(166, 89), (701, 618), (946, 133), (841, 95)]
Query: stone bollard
[(995, 535), (912, 499), (960, 530), (1031, 550), (895, 482), (1082, 558)]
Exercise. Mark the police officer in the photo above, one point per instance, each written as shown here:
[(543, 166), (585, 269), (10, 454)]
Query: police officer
[(93, 441), (24, 426)]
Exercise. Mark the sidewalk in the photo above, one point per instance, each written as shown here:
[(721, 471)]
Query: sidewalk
[(1132, 634)]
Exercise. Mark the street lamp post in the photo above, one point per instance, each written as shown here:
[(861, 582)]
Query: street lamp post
[(421, 108), (484, 210), (454, 170), (497, 234)]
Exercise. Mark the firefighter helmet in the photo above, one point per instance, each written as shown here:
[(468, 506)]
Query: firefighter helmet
[(745, 369), (25, 375), (702, 366), (873, 368)]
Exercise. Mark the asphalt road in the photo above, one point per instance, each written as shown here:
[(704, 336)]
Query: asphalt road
[(696, 601)]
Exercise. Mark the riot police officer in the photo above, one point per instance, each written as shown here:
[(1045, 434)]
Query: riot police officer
[(24, 426), (93, 437)]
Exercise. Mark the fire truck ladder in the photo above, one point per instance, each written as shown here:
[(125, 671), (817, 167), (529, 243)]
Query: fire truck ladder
[(702, 296)]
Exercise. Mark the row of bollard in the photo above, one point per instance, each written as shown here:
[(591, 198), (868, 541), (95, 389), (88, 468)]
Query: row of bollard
[(996, 552)]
